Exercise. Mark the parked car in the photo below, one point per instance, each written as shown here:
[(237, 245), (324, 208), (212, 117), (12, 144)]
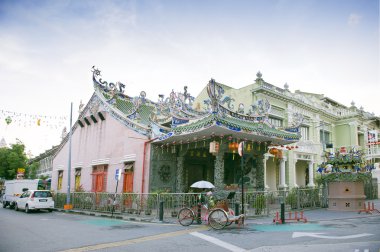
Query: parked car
[(35, 200)]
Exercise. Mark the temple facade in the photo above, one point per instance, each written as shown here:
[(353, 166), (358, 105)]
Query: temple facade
[(264, 136)]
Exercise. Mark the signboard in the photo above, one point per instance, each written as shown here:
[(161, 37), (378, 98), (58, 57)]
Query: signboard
[(20, 170), (240, 149), (118, 174)]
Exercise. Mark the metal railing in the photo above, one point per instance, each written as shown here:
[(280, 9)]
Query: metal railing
[(147, 204)]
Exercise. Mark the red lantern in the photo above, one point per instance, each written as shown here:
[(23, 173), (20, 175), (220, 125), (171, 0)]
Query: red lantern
[(236, 146)]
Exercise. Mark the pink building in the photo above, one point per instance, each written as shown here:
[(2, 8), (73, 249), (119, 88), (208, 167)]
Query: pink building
[(104, 139)]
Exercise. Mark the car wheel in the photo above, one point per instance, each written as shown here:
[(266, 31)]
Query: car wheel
[(27, 210), (50, 210), (4, 204), (16, 207)]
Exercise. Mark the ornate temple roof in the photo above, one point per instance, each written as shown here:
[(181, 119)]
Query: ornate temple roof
[(174, 120)]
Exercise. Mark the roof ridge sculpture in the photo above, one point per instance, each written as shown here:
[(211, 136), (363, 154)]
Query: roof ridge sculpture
[(150, 118)]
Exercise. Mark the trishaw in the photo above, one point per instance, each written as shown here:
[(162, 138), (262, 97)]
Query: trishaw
[(217, 215)]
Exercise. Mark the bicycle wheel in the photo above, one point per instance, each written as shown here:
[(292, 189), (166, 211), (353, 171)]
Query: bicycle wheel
[(218, 219), (230, 212), (186, 216)]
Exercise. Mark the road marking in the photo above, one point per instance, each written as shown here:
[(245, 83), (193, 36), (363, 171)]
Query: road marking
[(218, 242), (134, 241), (320, 235)]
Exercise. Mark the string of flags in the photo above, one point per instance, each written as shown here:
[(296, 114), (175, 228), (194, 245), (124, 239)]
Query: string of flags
[(11, 118)]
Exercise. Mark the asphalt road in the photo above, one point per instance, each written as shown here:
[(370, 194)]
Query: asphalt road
[(60, 231)]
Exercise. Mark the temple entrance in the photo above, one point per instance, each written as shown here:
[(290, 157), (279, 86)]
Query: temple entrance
[(232, 168), (198, 165), (233, 171)]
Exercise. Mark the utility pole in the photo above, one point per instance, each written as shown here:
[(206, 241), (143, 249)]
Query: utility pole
[(69, 162)]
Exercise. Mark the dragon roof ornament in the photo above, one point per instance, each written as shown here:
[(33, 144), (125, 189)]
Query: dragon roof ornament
[(174, 115)]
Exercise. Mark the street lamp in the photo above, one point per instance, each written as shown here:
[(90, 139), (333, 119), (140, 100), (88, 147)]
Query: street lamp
[(68, 205)]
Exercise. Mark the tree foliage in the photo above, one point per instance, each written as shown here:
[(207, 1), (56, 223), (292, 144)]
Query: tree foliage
[(11, 159)]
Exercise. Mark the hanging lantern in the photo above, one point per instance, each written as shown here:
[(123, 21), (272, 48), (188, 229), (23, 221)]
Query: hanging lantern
[(173, 149), (230, 147), (236, 146), (214, 147), (273, 151), (279, 154), (249, 147)]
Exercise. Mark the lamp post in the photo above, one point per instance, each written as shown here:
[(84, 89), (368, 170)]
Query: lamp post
[(241, 153), (68, 206)]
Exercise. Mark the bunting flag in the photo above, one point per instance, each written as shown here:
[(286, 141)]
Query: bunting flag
[(10, 118)]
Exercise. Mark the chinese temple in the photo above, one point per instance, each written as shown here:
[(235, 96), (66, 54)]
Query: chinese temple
[(189, 143)]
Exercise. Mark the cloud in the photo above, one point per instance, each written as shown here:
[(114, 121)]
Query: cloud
[(354, 19)]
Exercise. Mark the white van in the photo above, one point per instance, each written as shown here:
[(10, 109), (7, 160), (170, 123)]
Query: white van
[(14, 188)]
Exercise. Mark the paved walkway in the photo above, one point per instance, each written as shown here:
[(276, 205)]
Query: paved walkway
[(312, 215)]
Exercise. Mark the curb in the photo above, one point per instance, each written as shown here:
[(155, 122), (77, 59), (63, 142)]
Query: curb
[(257, 220)]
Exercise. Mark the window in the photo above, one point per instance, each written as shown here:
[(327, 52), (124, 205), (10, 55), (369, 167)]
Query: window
[(275, 122), (77, 178), (304, 133), (99, 178), (324, 136), (42, 194), (60, 177)]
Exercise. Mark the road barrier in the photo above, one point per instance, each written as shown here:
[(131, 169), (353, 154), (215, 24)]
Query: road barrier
[(369, 209)]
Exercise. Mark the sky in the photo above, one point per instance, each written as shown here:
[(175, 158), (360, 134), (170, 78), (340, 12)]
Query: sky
[(47, 50)]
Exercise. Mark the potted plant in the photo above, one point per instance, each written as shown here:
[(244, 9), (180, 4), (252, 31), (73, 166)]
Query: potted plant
[(259, 204), (150, 202)]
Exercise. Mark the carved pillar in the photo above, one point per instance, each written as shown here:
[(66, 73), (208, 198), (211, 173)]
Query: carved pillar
[(180, 175), (311, 174), (260, 172), (282, 173), (219, 171)]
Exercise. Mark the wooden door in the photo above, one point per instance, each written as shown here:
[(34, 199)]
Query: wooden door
[(128, 182), (128, 187), (99, 183)]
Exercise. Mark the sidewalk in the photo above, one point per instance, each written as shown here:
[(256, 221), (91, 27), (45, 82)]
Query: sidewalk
[(312, 215), (322, 214)]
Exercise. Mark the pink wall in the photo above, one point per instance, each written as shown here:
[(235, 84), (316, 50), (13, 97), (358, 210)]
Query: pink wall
[(105, 142)]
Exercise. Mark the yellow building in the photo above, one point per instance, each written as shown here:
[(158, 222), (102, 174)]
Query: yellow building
[(324, 124)]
